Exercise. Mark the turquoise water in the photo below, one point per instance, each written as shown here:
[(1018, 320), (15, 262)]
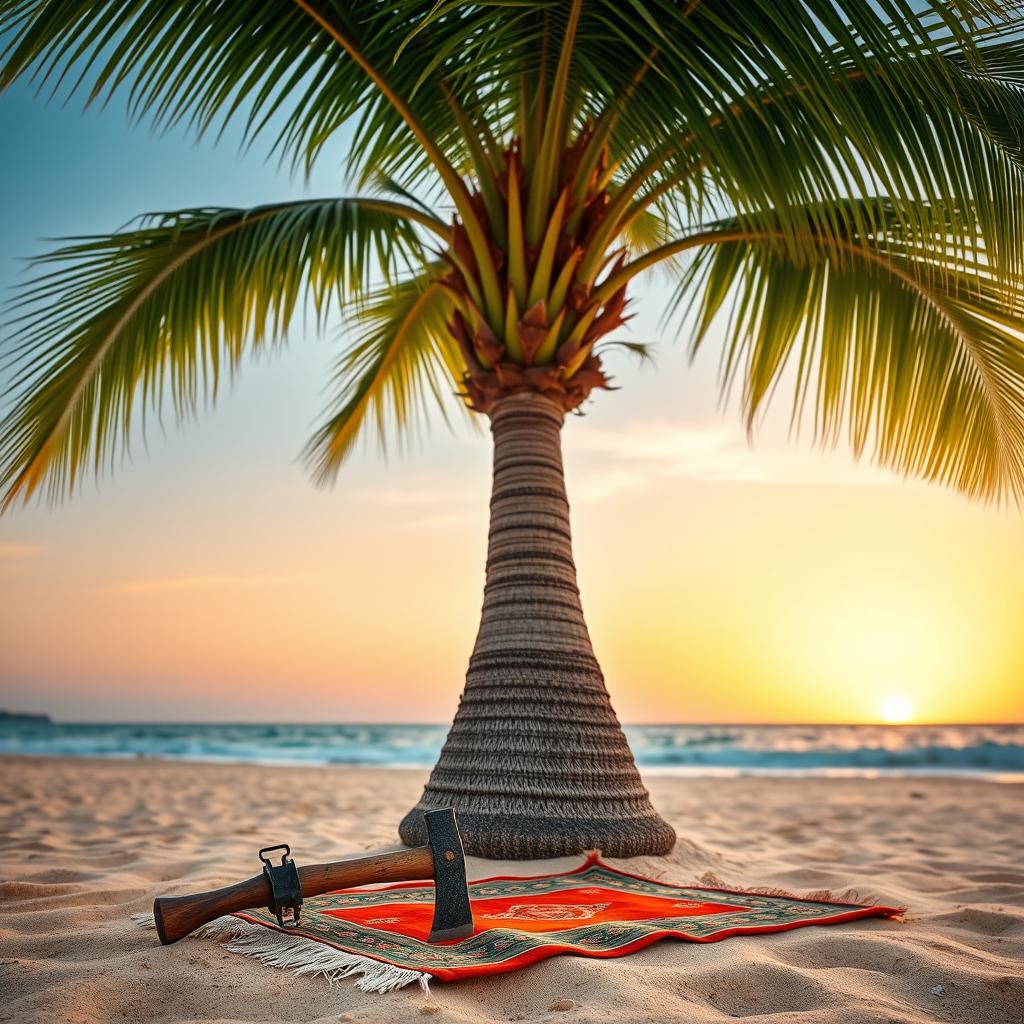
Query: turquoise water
[(990, 751)]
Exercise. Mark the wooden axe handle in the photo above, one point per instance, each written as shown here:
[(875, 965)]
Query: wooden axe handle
[(177, 916)]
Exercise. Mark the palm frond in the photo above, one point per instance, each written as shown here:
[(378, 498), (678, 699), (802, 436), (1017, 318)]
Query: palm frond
[(113, 324), (642, 351), (939, 125), (606, 123), (919, 354), (402, 357), (264, 60), (297, 69), (646, 231)]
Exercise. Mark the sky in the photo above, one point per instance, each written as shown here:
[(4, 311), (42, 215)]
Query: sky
[(209, 579)]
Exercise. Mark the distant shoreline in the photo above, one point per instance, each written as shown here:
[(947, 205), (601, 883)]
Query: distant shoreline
[(25, 717)]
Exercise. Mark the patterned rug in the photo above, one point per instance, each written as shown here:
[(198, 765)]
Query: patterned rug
[(596, 911)]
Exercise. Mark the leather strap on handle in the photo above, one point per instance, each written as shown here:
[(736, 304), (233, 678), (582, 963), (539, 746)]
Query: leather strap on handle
[(177, 916)]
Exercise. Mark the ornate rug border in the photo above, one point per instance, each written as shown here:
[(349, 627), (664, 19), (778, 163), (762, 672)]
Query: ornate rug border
[(855, 911)]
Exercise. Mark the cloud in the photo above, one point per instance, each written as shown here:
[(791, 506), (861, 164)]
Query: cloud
[(417, 494), (426, 506), (17, 552), (649, 453), (599, 485), (645, 455), (445, 521), (164, 584)]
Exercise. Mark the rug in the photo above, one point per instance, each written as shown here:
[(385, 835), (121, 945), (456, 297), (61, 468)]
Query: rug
[(595, 910)]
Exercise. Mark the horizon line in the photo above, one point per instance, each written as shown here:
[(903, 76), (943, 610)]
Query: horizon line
[(408, 724)]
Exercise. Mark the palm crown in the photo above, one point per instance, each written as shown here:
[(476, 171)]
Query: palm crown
[(849, 174)]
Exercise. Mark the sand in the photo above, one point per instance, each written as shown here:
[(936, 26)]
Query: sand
[(85, 844)]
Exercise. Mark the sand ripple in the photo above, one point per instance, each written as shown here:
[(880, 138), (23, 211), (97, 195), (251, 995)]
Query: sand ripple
[(86, 844)]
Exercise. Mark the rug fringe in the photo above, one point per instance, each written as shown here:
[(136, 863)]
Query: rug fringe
[(301, 955), (851, 897)]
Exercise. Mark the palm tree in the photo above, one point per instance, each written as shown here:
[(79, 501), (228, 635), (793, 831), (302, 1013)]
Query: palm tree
[(844, 175)]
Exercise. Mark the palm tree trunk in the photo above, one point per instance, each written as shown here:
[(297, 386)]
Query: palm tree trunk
[(536, 763)]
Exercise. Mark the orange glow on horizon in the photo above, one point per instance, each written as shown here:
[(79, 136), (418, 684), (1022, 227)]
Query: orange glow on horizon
[(713, 603)]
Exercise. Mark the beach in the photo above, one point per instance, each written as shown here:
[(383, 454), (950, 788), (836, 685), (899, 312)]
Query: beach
[(88, 843)]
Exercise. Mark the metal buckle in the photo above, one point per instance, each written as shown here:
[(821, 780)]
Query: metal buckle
[(285, 888)]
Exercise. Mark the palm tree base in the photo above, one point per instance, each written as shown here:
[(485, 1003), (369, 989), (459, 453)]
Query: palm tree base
[(536, 764), (522, 837)]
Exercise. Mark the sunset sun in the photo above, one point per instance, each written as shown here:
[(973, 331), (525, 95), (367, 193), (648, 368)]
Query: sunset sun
[(895, 709)]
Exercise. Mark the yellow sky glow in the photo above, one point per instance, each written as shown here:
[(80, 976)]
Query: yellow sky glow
[(712, 595), (209, 579)]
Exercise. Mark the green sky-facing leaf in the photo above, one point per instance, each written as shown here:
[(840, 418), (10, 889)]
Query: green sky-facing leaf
[(847, 178)]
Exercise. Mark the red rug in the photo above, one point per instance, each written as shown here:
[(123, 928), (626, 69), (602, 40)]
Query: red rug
[(595, 911)]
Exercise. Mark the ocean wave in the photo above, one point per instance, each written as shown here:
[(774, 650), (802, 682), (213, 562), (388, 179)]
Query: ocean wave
[(995, 751), (1001, 757)]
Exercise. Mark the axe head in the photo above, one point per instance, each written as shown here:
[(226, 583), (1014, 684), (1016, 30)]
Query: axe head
[(453, 918)]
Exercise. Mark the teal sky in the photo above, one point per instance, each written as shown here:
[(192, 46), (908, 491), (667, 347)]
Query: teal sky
[(721, 582)]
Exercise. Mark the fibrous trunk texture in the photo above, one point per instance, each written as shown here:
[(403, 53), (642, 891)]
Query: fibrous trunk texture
[(536, 763)]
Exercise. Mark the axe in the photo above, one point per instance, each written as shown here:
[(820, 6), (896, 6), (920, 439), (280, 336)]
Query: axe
[(281, 887)]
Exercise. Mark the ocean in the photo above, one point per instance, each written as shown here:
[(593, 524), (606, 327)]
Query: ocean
[(994, 752)]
